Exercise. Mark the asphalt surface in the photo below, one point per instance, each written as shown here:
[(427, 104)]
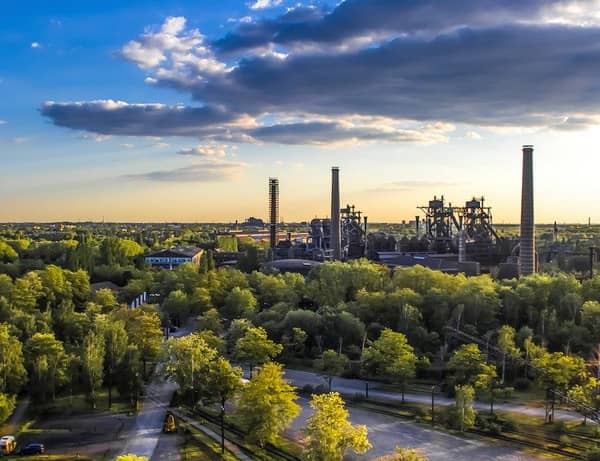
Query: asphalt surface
[(386, 433), (350, 387), (144, 438)]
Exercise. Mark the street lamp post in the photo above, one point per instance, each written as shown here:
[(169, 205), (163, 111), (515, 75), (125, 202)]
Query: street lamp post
[(222, 426), (433, 388)]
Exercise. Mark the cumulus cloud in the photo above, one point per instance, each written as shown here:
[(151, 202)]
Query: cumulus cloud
[(207, 171), (364, 71), (262, 4), (212, 151), (36, 45), (120, 118), (96, 137)]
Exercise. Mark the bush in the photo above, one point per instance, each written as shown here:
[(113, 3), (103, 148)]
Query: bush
[(593, 455), (307, 389), (564, 440), (320, 389)]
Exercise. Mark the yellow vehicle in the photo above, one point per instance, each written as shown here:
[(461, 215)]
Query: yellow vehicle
[(169, 425), (8, 444)]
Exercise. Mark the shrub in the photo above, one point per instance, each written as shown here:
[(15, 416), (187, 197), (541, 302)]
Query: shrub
[(593, 455), (564, 440)]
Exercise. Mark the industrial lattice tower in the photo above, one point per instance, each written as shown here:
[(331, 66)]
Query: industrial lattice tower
[(273, 211)]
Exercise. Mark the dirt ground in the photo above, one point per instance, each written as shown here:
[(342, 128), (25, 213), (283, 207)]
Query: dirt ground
[(99, 435)]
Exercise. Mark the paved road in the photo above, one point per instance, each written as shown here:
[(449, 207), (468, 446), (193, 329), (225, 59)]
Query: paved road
[(386, 433), (350, 387), (143, 440)]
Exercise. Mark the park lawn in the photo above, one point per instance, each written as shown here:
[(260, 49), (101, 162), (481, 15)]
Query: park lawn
[(198, 446), (79, 404)]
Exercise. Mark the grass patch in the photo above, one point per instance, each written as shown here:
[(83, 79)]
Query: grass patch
[(198, 446), (79, 404)]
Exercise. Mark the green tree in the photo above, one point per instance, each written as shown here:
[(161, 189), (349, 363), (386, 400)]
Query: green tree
[(329, 432), (508, 347), (585, 397), (176, 306), (391, 357), (468, 367), (255, 348), (129, 375), (240, 302), (131, 458), (47, 363), (294, 343), (210, 320), (465, 413), (146, 334), (267, 405), (7, 406), (189, 360), (13, 375), (331, 364), (405, 454), (7, 253), (92, 360), (116, 339)]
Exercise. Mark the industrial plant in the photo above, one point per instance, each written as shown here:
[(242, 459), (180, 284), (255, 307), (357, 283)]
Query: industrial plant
[(446, 237)]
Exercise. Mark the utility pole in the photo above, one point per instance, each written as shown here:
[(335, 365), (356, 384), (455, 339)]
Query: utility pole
[(222, 426)]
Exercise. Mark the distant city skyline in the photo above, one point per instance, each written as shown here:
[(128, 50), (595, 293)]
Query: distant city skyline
[(181, 110)]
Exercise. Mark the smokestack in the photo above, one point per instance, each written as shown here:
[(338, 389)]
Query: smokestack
[(417, 221), (273, 211), (336, 238), (527, 253)]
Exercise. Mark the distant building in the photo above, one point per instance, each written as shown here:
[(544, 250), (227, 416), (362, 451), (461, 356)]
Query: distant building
[(253, 222), (173, 257)]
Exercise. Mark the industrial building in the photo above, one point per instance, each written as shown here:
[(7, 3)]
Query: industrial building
[(447, 237), (170, 258)]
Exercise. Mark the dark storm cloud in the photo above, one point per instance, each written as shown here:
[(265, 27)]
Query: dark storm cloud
[(119, 118), (513, 75), (355, 18)]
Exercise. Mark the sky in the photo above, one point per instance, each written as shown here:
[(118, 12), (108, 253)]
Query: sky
[(170, 110)]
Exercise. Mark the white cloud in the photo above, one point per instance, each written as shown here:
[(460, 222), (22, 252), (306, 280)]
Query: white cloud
[(20, 140), (472, 135), (161, 145), (211, 151), (3, 122), (36, 45), (262, 4), (127, 145), (95, 137), (212, 170)]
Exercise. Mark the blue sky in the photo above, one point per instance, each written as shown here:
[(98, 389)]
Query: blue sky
[(181, 110)]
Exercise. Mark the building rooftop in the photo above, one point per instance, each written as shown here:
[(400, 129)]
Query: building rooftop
[(188, 251)]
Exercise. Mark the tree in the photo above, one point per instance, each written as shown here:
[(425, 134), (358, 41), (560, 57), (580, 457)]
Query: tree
[(266, 405), (116, 339), (255, 348), (294, 343), (176, 306), (47, 363), (129, 375), (7, 253), (189, 360), (13, 375), (92, 360), (223, 383), (210, 320), (145, 332), (240, 302), (405, 454), (7, 406), (468, 367), (332, 364), (465, 413), (506, 344), (391, 357), (329, 432), (131, 458), (585, 397)]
